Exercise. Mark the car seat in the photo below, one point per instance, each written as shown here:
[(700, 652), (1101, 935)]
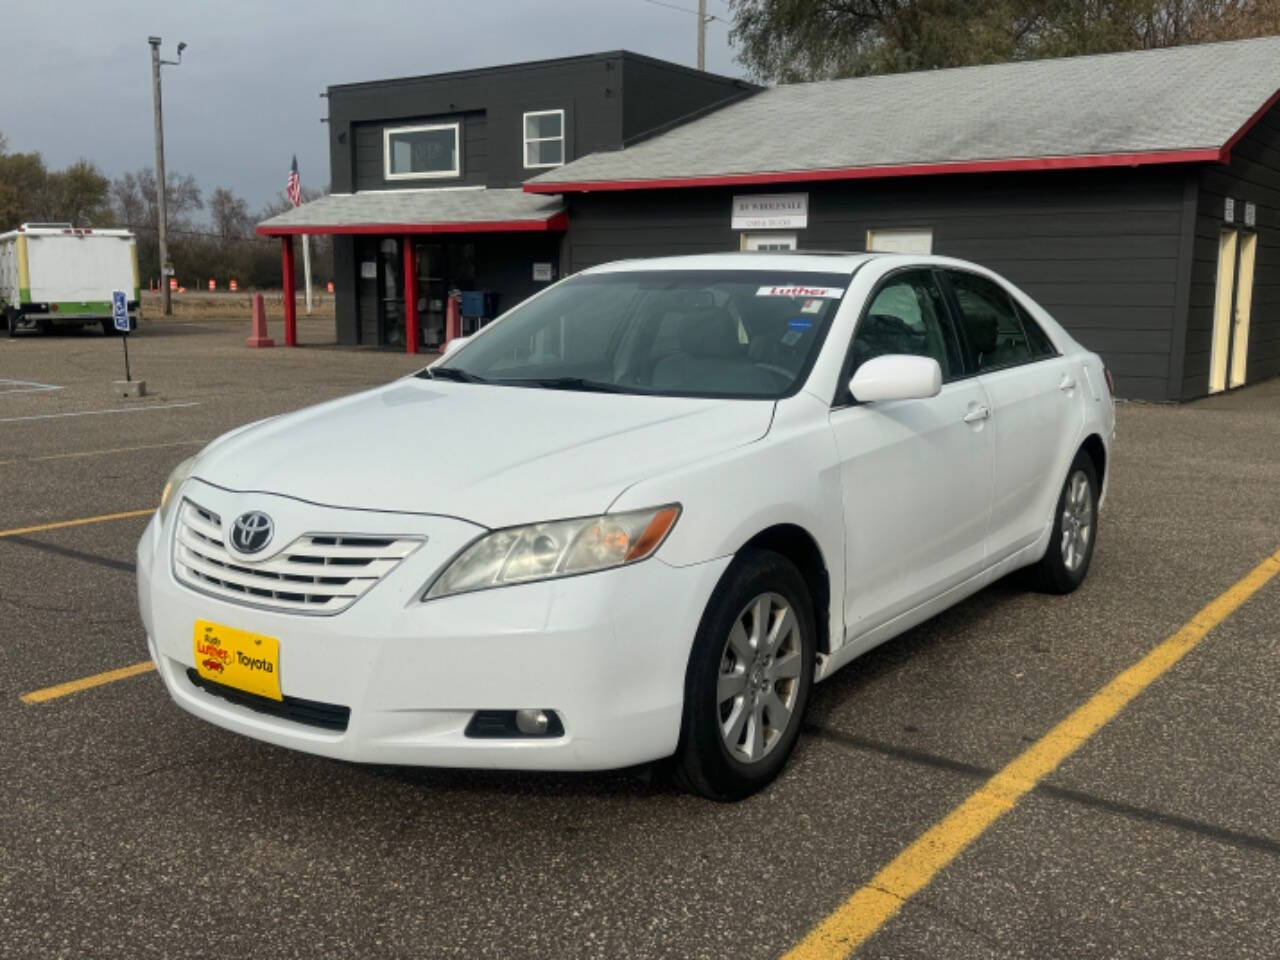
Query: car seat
[(711, 354)]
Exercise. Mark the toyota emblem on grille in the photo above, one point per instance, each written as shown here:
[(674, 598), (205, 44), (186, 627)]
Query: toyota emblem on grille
[(252, 531)]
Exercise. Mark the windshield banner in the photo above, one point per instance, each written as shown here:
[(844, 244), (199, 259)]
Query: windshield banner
[(831, 293)]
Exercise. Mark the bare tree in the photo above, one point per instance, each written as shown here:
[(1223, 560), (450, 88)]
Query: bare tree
[(230, 215)]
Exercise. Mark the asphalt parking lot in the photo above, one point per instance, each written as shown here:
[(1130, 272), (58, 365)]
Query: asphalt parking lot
[(130, 829)]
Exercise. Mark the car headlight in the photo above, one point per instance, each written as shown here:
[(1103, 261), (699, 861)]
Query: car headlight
[(176, 479), (561, 548)]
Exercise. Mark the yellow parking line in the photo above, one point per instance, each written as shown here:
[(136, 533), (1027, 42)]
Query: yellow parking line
[(84, 683), (40, 528), (859, 917)]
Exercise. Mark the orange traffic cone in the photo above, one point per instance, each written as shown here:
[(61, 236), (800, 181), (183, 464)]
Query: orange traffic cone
[(258, 337)]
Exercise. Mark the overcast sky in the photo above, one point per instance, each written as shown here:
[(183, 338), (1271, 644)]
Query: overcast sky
[(246, 97)]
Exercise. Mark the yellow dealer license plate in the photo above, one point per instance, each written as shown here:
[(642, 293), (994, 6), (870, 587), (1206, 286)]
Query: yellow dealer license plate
[(238, 658)]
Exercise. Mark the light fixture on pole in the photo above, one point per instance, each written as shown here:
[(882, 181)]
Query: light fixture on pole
[(162, 224)]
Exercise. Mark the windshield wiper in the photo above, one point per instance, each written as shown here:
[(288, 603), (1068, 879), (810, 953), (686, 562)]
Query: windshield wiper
[(569, 383), (452, 373)]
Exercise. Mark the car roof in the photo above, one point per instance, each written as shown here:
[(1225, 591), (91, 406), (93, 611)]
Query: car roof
[(815, 261), (750, 260)]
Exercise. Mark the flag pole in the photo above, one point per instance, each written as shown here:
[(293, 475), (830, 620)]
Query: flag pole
[(306, 268)]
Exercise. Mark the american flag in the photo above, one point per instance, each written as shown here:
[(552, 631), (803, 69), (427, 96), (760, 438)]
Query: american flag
[(294, 188)]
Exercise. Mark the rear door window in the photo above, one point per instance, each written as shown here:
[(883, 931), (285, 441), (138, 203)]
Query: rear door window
[(1041, 345), (991, 323)]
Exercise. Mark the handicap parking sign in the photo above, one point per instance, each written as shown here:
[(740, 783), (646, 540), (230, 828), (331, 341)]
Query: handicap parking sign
[(120, 310)]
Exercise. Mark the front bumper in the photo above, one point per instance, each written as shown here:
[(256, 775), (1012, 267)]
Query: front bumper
[(606, 651)]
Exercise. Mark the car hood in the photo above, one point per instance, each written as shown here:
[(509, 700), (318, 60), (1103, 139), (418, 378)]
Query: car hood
[(493, 455)]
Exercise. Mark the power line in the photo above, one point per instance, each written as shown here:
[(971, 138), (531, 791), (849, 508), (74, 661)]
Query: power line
[(673, 6)]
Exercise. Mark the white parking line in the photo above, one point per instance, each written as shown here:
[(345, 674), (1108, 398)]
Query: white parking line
[(94, 413), (25, 386)]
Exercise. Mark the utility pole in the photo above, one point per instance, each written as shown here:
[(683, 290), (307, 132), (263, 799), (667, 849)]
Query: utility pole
[(702, 39), (162, 226)]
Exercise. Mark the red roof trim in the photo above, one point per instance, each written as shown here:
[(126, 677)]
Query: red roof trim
[(559, 221), (1248, 125), (906, 170)]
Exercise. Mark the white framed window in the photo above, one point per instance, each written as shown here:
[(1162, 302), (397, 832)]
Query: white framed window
[(544, 138), (421, 152), (917, 240), (768, 241)]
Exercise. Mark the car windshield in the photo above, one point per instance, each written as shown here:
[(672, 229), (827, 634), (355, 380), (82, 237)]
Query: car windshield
[(705, 333)]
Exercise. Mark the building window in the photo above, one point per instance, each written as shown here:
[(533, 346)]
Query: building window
[(413, 153), (768, 241), (918, 240), (544, 138)]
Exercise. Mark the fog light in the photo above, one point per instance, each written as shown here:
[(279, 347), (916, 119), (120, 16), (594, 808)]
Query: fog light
[(514, 724), (533, 723)]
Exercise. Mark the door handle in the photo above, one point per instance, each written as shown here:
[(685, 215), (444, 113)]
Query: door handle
[(1068, 383), (976, 414)]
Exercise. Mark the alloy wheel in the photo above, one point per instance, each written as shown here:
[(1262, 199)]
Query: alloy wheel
[(759, 678), (1077, 521)]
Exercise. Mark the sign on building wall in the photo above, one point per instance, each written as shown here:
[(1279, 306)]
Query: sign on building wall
[(771, 211)]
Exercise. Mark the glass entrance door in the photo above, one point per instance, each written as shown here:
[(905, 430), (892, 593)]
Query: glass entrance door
[(390, 293)]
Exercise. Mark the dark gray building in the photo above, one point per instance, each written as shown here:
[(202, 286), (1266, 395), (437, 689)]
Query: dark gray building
[(426, 175), (1135, 195)]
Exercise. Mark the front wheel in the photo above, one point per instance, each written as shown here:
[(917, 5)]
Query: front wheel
[(11, 322), (1075, 530), (748, 679)]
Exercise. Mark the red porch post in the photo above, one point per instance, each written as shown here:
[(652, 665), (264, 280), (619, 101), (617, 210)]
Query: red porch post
[(410, 295), (290, 293)]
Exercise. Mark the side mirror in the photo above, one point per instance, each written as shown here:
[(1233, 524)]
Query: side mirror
[(896, 376), (453, 345)]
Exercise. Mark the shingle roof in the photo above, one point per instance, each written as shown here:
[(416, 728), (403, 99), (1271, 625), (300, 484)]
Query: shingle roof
[(420, 211), (1176, 104)]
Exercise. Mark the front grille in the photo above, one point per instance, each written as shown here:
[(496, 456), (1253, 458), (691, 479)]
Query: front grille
[(317, 573), (327, 716)]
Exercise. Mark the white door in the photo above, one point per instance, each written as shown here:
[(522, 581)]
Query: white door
[(1037, 409), (1224, 294), (915, 240), (1243, 308), (1232, 309), (916, 474)]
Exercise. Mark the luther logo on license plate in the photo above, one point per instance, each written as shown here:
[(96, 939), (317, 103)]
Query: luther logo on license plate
[(238, 658)]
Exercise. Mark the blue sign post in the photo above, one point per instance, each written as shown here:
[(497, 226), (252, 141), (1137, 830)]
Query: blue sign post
[(120, 316)]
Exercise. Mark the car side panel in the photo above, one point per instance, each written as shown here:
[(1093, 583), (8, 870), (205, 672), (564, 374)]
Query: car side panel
[(917, 493), (791, 476), (1037, 415)]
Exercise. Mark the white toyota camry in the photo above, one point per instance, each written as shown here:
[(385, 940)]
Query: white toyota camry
[(635, 518)]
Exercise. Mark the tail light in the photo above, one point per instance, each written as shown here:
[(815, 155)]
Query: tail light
[(53, 308), (1111, 384)]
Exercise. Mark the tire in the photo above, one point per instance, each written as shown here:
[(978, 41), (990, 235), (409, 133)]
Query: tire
[(11, 322), (108, 328), (717, 736), (1075, 530)]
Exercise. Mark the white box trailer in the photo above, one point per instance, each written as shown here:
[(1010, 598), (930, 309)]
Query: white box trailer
[(54, 274)]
